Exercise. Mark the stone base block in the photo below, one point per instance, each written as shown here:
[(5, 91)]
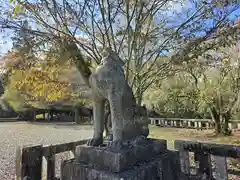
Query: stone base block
[(103, 158), (79, 171)]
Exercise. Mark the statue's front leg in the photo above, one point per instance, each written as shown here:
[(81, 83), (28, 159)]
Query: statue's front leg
[(117, 121), (98, 123)]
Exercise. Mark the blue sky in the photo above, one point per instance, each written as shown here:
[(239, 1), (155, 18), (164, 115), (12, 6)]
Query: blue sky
[(6, 44)]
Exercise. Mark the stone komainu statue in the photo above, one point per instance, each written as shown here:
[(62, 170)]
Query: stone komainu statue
[(129, 121)]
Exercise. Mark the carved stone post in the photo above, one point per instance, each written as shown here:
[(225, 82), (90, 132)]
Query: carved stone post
[(220, 164)]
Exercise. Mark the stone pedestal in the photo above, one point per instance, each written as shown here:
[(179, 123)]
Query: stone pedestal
[(144, 161)]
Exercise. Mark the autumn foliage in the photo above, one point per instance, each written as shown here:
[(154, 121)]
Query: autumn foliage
[(37, 79)]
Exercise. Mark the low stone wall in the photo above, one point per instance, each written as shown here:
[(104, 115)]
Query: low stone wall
[(29, 160), (190, 123), (210, 161)]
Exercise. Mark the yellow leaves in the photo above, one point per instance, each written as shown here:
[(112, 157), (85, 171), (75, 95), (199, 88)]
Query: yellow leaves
[(17, 60), (56, 94), (38, 65), (40, 82), (44, 84), (225, 61), (42, 79)]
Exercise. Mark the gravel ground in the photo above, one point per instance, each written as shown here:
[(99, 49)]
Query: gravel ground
[(14, 134)]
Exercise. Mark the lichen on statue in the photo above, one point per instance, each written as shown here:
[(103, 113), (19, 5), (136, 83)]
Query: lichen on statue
[(108, 82)]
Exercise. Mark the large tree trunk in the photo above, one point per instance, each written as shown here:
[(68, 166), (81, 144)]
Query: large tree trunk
[(139, 96), (221, 127), (226, 117), (139, 100), (216, 118)]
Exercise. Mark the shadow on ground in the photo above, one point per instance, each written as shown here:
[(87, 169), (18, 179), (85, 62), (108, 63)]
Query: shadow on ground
[(63, 125)]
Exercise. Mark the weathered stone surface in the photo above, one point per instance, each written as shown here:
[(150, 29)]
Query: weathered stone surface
[(220, 164), (79, 171), (172, 168), (146, 160), (108, 83), (214, 149), (118, 160)]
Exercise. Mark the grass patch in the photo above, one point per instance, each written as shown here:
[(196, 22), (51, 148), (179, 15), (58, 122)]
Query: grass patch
[(172, 134), (39, 116)]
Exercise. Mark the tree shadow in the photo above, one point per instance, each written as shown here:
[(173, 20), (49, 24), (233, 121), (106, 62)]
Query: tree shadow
[(61, 125)]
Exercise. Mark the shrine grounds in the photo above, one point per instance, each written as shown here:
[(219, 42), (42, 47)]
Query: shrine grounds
[(14, 134)]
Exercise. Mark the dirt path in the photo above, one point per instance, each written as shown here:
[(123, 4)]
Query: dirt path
[(14, 134)]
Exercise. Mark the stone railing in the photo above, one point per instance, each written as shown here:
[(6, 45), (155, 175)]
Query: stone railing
[(210, 159), (190, 123), (29, 160)]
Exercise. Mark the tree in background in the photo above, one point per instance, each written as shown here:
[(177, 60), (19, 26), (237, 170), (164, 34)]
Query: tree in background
[(168, 58), (39, 81), (140, 31), (219, 90), (23, 41), (174, 97), (209, 88)]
